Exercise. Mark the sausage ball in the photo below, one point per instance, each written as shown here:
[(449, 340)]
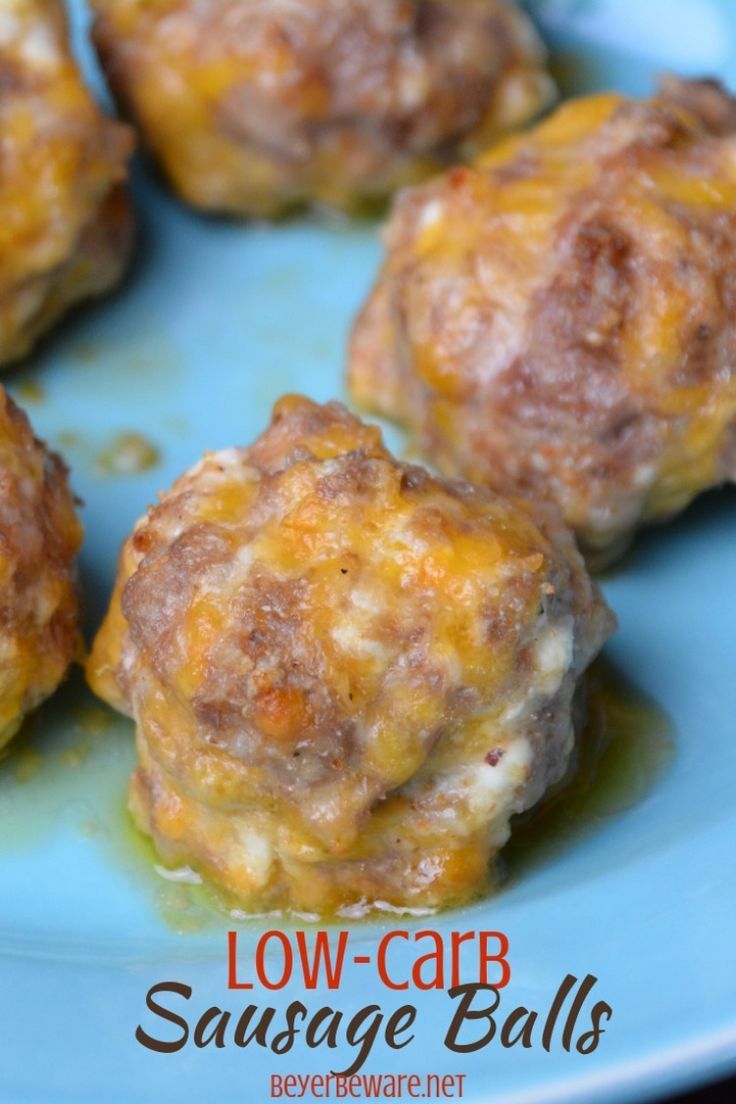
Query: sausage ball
[(559, 320), (65, 223), (255, 106), (346, 675), (39, 538)]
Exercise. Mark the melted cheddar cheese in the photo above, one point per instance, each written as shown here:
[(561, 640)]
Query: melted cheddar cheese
[(40, 535), (254, 106), (558, 319), (320, 646), (65, 224)]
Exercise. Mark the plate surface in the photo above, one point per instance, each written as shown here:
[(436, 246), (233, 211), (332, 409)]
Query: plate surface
[(216, 321)]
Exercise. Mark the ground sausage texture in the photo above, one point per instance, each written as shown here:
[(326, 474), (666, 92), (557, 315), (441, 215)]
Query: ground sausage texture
[(346, 675), (254, 106), (559, 320), (65, 220), (40, 535)]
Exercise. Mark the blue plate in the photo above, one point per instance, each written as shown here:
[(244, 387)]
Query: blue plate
[(217, 321)]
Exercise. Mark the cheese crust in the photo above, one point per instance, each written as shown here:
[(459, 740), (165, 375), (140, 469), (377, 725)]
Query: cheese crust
[(66, 225), (255, 106), (559, 320), (40, 535), (346, 675)]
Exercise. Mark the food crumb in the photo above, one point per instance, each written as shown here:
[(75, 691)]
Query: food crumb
[(68, 439), (128, 454), (30, 392), (28, 764), (93, 720), (75, 756)]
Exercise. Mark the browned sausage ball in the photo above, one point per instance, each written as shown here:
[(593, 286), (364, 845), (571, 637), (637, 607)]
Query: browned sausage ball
[(65, 222), (560, 319), (253, 106), (346, 675), (39, 538)]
